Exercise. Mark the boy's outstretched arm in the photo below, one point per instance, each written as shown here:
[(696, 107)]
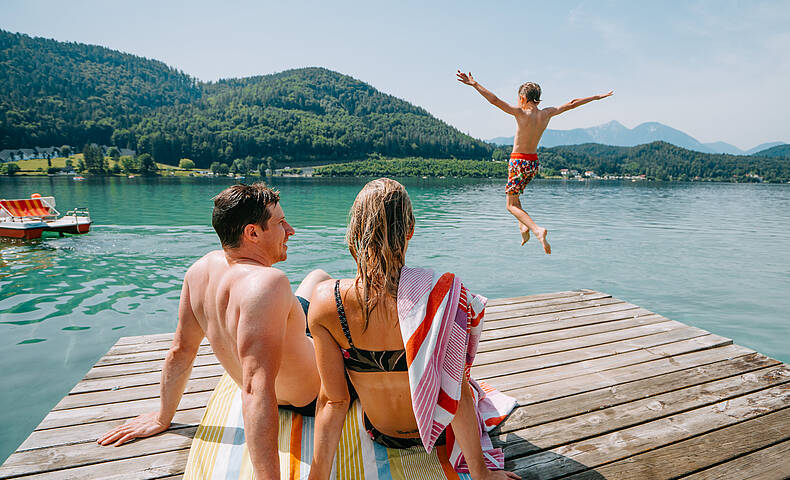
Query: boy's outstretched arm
[(576, 102), (466, 78)]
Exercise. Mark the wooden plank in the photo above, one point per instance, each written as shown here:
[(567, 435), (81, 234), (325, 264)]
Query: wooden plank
[(134, 380), (559, 322), (562, 345), (616, 321), (97, 413), (131, 393), (141, 468), (72, 456), (586, 367), (562, 387), (143, 347), (575, 428), (156, 337), (90, 432), (696, 453), (767, 464), (502, 363), (555, 303), (141, 367), (590, 453), (145, 356), (536, 297), (645, 385), (526, 313)]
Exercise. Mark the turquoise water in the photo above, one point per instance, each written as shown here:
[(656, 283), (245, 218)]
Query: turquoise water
[(710, 255)]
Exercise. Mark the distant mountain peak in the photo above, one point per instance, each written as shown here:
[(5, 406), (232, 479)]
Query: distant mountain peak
[(616, 134)]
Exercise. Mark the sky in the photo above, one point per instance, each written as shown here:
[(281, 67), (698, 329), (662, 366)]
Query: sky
[(717, 70)]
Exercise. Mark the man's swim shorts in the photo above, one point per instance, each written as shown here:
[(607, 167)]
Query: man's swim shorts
[(520, 171)]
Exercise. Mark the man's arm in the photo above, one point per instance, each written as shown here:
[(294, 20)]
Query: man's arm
[(263, 317), (576, 102), (467, 79), (175, 375), (333, 397)]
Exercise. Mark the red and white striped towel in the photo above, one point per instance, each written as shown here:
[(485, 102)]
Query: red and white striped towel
[(441, 322)]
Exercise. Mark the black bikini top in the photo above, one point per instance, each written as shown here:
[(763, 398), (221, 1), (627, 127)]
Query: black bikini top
[(358, 360)]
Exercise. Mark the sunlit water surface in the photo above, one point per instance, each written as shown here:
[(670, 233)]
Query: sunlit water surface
[(715, 256)]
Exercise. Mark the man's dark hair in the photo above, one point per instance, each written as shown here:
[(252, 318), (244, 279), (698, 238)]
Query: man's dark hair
[(530, 91), (241, 205)]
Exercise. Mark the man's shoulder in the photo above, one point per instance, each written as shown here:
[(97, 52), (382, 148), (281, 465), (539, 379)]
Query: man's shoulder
[(203, 264), (259, 279)]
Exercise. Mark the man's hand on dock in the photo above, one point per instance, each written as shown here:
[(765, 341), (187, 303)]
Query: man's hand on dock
[(143, 426)]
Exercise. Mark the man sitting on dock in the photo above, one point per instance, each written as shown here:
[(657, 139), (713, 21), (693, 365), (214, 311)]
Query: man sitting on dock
[(254, 323)]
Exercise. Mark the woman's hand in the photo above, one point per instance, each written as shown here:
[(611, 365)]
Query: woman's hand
[(497, 475)]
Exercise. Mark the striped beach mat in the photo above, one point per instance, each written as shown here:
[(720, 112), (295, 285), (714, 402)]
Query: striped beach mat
[(219, 452)]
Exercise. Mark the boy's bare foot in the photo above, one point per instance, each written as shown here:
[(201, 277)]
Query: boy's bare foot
[(541, 234), (524, 233)]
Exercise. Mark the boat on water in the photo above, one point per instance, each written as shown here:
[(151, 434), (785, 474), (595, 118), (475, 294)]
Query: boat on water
[(30, 217)]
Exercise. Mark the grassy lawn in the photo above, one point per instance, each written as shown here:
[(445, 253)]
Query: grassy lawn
[(38, 166)]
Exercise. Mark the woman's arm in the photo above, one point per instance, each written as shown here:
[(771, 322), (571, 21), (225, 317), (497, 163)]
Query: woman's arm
[(467, 434), (333, 397)]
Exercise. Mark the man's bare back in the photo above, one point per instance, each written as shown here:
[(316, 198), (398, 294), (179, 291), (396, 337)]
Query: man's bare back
[(216, 288), (254, 323)]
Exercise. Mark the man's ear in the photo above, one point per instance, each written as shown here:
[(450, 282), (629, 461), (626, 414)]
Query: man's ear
[(250, 231)]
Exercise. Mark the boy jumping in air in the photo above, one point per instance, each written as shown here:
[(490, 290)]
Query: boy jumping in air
[(531, 122)]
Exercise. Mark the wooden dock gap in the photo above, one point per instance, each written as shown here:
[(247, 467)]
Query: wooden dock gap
[(606, 389)]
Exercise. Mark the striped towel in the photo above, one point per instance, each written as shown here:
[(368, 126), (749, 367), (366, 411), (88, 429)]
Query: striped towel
[(219, 451), (441, 323)]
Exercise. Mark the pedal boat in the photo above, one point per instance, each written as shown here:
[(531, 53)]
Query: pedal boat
[(28, 218)]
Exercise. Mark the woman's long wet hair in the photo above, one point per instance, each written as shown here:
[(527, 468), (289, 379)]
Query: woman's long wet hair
[(379, 225)]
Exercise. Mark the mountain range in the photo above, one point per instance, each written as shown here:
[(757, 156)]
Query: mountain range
[(615, 133)]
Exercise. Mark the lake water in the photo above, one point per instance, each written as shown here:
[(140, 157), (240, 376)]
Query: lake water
[(716, 256)]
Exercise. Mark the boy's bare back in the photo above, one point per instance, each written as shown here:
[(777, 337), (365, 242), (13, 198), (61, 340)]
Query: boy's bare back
[(532, 122)]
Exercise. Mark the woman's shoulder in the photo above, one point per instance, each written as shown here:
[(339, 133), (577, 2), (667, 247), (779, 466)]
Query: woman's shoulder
[(322, 303)]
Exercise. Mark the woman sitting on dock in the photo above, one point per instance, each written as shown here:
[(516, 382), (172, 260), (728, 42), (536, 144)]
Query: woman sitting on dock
[(359, 326)]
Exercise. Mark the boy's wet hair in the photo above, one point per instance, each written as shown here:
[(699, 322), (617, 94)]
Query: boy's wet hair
[(239, 206), (530, 91)]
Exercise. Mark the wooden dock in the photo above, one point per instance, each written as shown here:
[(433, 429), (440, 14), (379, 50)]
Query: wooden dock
[(606, 389)]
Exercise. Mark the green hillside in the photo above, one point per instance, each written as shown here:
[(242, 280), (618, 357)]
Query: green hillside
[(54, 93), (779, 151), (297, 114)]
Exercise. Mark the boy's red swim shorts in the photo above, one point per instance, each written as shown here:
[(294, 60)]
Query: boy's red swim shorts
[(520, 171)]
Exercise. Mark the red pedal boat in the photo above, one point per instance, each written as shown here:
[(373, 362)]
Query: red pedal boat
[(29, 218)]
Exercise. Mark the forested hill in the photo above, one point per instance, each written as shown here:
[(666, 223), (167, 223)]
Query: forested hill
[(779, 151), (54, 93), (296, 114), (664, 161)]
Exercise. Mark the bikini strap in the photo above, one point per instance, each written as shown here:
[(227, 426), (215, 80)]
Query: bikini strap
[(341, 313)]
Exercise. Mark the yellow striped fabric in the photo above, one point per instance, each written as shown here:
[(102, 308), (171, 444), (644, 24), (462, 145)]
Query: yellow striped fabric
[(219, 452)]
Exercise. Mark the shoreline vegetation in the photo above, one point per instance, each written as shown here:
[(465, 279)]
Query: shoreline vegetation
[(657, 161)]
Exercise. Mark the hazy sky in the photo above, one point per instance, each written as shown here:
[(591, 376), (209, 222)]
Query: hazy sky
[(718, 70)]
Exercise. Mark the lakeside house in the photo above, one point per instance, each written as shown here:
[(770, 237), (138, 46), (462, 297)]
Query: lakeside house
[(17, 154)]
